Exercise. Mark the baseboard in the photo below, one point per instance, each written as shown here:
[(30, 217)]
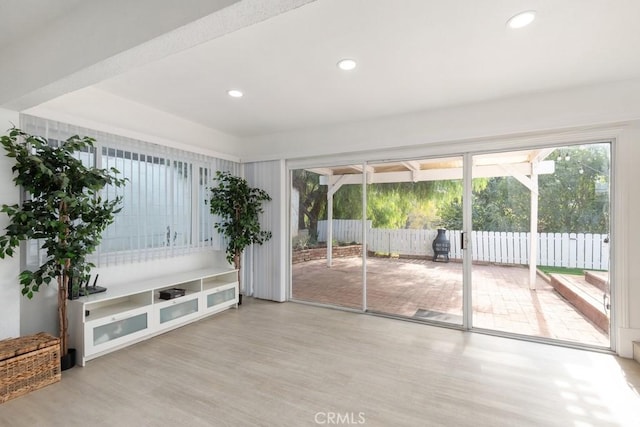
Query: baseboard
[(626, 338)]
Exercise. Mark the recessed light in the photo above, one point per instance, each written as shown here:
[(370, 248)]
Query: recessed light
[(347, 64), (235, 93), (522, 19)]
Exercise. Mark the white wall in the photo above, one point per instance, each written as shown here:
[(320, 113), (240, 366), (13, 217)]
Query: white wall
[(123, 117), (481, 124), (627, 245), (9, 267)]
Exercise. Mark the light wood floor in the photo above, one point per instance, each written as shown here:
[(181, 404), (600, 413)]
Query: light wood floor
[(288, 364)]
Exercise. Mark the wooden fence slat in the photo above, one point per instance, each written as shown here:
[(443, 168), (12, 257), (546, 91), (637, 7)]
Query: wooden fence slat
[(588, 251), (485, 246), (604, 254), (454, 239), (579, 249), (524, 248), (542, 249), (573, 250)]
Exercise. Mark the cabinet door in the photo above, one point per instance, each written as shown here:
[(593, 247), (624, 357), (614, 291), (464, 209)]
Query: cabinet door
[(221, 297), (115, 330), (177, 311)]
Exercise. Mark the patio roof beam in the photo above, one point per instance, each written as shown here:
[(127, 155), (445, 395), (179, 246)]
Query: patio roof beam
[(523, 179), (413, 167), (481, 171), (322, 171), (360, 168), (539, 155), (335, 186)]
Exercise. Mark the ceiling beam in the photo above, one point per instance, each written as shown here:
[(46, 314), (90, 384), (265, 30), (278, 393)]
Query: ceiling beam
[(81, 49)]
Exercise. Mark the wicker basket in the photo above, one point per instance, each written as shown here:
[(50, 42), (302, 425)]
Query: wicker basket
[(27, 364)]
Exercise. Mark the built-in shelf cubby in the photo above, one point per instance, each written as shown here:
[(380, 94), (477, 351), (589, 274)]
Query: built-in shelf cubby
[(214, 282), (125, 314), (109, 307)]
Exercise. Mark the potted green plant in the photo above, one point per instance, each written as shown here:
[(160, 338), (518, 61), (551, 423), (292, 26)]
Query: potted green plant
[(63, 208), (238, 207)]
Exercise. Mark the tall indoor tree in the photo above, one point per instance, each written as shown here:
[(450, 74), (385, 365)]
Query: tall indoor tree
[(62, 207), (238, 207)]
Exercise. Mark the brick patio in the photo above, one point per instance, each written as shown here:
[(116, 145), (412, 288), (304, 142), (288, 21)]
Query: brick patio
[(501, 296)]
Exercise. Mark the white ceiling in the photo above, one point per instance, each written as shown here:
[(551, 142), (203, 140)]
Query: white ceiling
[(24, 18), (412, 55)]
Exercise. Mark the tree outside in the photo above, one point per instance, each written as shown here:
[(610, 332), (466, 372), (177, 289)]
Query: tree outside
[(575, 198)]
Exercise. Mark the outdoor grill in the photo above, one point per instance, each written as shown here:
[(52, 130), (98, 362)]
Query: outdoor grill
[(441, 245)]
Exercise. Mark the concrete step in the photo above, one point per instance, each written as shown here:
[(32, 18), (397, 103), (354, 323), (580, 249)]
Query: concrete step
[(636, 351), (600, 279), (588, 299)]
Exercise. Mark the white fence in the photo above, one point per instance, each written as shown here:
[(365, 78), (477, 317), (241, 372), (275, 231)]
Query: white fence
[(574, 250), (344, 230)]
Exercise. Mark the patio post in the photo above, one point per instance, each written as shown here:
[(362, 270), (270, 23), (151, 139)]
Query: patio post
[(331, 190), (329, 227), (533, 241), (531, 182)]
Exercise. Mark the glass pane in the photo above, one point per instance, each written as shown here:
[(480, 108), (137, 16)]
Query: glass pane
[(560, 196), (414, 259), (327, 257), (220, 297), (178, 310), (121, 328)]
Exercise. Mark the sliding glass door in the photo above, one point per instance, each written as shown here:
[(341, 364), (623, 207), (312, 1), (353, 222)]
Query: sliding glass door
[(540, 243), (414, 262), (514, 242), (326, 239)]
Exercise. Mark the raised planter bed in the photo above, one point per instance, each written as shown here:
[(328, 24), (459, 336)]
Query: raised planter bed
[(590, 304), (311, 254)]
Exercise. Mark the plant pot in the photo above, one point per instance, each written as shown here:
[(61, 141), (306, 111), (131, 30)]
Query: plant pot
[(68, 361)]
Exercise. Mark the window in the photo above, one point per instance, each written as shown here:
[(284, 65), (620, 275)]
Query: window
[(165, 210)]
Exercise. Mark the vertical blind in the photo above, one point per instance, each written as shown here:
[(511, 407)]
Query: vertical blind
[(165, 210), (265, 274)]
